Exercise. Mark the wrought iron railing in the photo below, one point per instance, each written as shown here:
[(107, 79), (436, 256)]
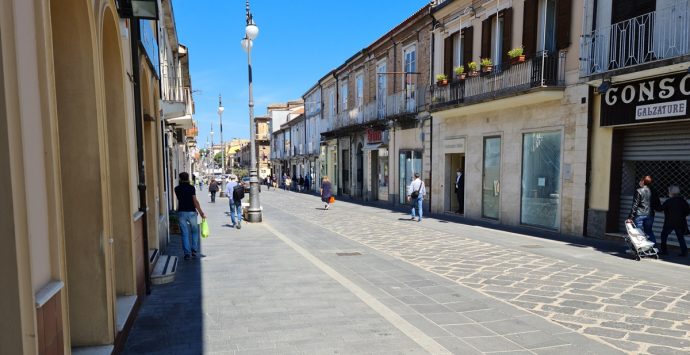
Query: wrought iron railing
[(543, 69), (661, 34)]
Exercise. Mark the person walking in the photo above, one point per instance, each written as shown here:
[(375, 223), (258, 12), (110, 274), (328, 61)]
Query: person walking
[(642, 211), (301, 183), (213, 188), (415, 195), (201, 184), (460, 191), (295, 182), (187, 208), (307, 183), (326, 191), (235, 193), (676, 209)]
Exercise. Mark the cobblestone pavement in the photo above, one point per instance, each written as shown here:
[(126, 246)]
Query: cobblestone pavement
[(629, 313)]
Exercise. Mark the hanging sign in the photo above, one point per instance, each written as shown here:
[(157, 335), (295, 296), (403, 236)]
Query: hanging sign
[(649, 100)]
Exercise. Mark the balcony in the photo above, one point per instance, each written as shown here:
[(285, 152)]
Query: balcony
[(655, 36), (542, 70)]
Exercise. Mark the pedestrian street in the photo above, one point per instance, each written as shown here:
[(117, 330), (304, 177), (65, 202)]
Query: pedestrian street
[(359, 279)]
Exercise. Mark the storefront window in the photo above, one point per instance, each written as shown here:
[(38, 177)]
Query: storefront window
[(410, 163), (491, 178), (541, 183), (383, 172)]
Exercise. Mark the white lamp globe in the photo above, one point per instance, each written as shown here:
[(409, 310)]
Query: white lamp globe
[(246, 44), (221, 109), (251, 31)]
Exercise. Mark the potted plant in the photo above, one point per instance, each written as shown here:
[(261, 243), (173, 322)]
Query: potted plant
[(460, 72), (516, 55), (472, 66), (487, 65), (441, 80)]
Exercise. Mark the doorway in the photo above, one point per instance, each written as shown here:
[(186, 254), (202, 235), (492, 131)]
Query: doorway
[(374, 175), (455, 200), (360, 170), (410, 163), (346, 171)]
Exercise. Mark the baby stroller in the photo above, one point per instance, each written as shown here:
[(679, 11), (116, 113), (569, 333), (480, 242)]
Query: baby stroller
[(640, 246)]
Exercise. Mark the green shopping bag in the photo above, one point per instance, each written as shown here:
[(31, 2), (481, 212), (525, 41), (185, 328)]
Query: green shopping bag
[(204, 228)]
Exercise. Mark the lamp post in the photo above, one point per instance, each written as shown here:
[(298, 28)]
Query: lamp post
[(222, 147), (213, 155), (254, 211)]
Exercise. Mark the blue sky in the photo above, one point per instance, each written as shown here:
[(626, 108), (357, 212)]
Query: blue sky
[(299, 42)]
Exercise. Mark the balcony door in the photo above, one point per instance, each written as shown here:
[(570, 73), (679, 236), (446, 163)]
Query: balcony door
[(381, 89), (410, 78)]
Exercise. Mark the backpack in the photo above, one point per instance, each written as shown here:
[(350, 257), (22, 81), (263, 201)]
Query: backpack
[(237, 192)]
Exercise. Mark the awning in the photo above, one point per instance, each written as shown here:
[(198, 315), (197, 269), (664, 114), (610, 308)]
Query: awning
[(185, 121), (373, 146)]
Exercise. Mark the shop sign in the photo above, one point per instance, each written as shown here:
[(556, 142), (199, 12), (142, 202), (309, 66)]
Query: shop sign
[(650, 100), (454, 144), (374, 136)]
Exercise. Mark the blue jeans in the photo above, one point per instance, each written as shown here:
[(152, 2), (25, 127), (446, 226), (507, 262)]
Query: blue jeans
[(236, 208), (416, 205), (645, 223), (188, 224)]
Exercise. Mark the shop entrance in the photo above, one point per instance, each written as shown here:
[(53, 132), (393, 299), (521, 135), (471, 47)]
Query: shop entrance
[(374, 175), (662, 152), (410, 163), (454, 198)]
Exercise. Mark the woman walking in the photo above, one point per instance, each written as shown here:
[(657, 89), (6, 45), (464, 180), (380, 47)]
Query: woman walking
[(326, 193)]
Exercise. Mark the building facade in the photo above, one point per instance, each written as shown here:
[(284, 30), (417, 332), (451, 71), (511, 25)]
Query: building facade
[(516, 129), (87, 181), (639, 112), (374, 114)]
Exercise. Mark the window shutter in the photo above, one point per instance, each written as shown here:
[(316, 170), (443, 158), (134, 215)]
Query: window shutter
[(529, 27), (448, 56), (467, 42), (507, 33), (486, 38), (563, 12)]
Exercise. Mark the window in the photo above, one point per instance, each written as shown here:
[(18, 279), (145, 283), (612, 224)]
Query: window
[(497, 40), (343, 95), (541, 179), (359, 87), (381, 88), (410, 79), (547, 25), (457, 50), (331, 103), (496, 36), (491, 177)]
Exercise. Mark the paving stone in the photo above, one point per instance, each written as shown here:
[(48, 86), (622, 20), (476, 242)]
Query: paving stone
[(536, 340), (581, 305), (493, 344), (661, 323), (605, 332), (662, 350), (624, 345), (667, 332), (559, 309), (570, 325), (654, 305), (659, 340), (670, 316), (622, 325), (626, 310)]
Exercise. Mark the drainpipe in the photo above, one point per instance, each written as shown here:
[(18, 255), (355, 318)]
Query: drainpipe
[(138, 125), (588, 169), (431, 123)]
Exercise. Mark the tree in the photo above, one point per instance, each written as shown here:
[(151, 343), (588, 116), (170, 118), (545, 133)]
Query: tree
[(218, 158)]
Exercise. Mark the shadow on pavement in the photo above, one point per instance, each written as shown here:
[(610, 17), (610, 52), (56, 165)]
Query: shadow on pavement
[(170, 320)]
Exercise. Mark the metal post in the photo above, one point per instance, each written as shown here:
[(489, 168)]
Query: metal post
[(254, 211)]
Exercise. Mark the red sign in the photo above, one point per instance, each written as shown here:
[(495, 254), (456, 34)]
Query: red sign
[(374, 136)]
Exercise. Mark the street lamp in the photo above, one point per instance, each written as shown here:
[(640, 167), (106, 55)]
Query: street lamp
[(222, 147), (251, 31), (213, 155)]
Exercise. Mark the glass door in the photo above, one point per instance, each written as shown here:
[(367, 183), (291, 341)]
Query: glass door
[(381, 84), (410, 78), (491, 177), (410, 163)]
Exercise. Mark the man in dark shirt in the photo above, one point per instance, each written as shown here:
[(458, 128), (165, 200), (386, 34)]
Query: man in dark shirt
[(187, 215), (675, 211)]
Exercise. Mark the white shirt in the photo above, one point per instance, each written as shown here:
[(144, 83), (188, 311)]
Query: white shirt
[(417, 184), (228, 189)]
